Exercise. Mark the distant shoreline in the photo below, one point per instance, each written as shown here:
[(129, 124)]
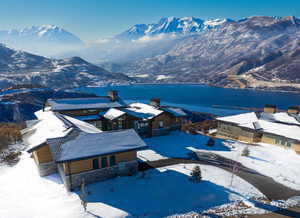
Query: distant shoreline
[(199, 84)]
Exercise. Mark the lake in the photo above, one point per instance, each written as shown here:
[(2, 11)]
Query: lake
[(200, 97)]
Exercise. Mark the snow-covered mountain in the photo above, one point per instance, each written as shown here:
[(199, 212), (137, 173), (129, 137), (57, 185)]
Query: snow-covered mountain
[(19, 67), (45, 39), (255, 52), (184, 25)]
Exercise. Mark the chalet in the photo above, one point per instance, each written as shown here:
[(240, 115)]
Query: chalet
[(86, 107), (79, 151), (269, 126), (111, 113)]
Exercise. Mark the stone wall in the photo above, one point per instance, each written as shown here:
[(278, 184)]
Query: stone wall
[(46, 169), (75, 180)]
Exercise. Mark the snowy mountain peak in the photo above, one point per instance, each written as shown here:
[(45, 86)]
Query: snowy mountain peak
[(44, 39), (183, 25)]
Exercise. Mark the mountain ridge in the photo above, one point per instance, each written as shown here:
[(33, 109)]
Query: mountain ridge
[(167, 25), (19, 67), (257, 52), (43, 39)]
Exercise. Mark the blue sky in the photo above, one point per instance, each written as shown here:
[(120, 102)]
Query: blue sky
[(92, 19)]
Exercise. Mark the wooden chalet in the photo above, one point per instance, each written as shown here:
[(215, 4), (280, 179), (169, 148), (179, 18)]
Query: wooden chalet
[(111, 113), (269, 126), (79, 151)]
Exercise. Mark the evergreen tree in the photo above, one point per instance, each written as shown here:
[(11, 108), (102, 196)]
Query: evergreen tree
[(196, 174), (210, 142)]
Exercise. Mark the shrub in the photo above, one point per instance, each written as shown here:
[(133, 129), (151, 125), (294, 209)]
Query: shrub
[(9, 134), (196, 174), (246, 152), (210, 142)]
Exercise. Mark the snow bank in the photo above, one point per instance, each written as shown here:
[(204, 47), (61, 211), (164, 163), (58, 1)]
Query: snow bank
[(167, 191), (25, 194)]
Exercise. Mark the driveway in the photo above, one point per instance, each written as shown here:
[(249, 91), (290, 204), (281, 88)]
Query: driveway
[(266, 185)]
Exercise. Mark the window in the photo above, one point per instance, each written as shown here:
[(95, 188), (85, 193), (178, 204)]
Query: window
[(98, 124), (96, 164), (112, 160), (104, 162), (120, 123), (161, 124), (289, 143)]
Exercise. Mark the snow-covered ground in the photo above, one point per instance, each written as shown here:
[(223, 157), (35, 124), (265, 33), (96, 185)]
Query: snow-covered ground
[(166, 191), (159, 192), (23, 193), (177, 144), (279, 163)]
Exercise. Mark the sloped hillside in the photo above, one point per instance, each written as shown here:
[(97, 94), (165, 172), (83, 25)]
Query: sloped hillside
[(256, 52), (18, 67)]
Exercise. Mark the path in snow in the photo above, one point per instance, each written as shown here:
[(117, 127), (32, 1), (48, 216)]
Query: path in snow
[(266, 185)]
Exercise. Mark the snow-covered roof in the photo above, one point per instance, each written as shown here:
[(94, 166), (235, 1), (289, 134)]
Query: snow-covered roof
[(100, 144), (288, 131), (48, 126), (143, 111), (244, 118), (83, 103), (52, 125), (83, 126), (177, 112), (112, 113), (281, 123)]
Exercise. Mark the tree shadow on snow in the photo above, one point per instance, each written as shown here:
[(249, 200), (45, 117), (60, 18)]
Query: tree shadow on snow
[(156, 193), (257, 158)]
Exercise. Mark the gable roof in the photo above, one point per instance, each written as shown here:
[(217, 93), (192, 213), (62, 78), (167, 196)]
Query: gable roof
[(112, 113), (88, 145), (52, 125), (142, 111), (83, 103), (175, 111), (281, 123)]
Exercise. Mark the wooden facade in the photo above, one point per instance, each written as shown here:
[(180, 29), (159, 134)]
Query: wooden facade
[(281, 141), (82, 112), (230, 130), (164, 120), (43, 154), (270, 109), (84, 165)]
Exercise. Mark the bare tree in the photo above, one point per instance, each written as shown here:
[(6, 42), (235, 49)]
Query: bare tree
[(245, 152), (83, 195)]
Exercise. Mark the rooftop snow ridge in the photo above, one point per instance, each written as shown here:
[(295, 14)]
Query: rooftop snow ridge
[(280, 123)]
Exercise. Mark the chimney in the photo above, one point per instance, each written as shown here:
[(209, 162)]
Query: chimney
[(269, 108), (293, 110), (113, 95), (155, 102)]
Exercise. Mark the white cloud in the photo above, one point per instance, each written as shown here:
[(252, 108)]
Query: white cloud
[(162, 36)]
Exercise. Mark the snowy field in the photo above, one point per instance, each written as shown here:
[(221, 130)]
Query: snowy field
[(158, 192), (273, 161)]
